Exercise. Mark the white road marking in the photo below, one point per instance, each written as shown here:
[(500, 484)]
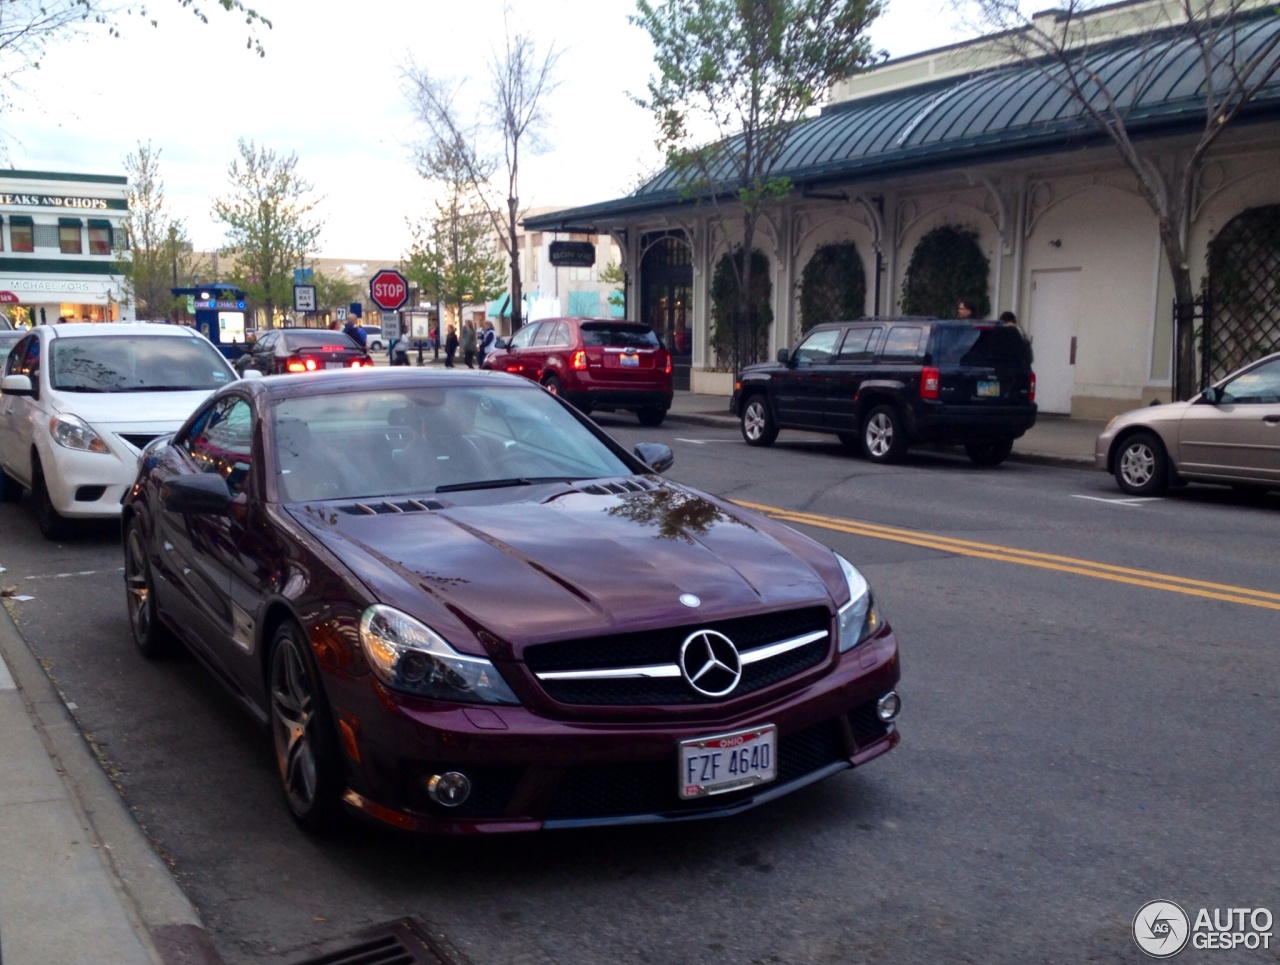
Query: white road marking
[(1119, 501), (64, 576), (703, 442), (6, 681)]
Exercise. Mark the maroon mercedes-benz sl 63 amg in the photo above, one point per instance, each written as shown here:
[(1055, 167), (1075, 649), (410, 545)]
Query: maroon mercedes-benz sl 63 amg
[(459, 606)]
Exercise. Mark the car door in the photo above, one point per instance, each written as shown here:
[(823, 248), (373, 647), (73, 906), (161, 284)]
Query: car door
[(197, 545), (801, 389), (848, 371), (1238, 434), (18, 413), (521, 357), (262, 357)]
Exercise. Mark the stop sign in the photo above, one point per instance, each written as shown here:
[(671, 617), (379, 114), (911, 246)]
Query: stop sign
[(389, 290)]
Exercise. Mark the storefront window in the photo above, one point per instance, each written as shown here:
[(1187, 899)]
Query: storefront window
[(69, 236), (22, 235)]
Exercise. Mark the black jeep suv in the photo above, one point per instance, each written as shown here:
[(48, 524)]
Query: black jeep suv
[(883, 385)]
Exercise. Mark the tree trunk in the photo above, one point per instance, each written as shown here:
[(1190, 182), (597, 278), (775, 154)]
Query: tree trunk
[(1185, 382), (517, 315)]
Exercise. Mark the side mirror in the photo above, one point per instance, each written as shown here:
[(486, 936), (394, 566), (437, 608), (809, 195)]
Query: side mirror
[(501, 343), (16, 385), (202, 492), (1212, 395), (784, 356), (655, 455)]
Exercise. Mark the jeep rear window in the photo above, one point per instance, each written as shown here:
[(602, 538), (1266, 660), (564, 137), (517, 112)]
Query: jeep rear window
[(966, 345), (618, 336)]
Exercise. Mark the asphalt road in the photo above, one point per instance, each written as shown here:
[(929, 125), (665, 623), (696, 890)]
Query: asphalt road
[(1090, 722)]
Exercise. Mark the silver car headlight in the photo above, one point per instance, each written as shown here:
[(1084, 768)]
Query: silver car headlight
[(72, 432), (410, 657), (858, 619)]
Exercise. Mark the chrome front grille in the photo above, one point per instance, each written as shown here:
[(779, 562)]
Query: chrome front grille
[(643, 668)]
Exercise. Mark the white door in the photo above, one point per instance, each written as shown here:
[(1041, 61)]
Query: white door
[(1055, 299)]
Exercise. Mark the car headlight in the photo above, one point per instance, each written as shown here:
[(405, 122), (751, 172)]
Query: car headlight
[(74, 433), (859, 618), (410, 657)]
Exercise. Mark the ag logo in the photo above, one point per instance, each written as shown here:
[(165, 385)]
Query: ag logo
[(1161, 928)]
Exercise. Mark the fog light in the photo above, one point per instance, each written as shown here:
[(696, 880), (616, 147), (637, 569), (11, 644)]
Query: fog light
[(449, 789), (887, 707)]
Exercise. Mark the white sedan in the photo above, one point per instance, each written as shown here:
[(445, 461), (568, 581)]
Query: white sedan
[(79, 402)]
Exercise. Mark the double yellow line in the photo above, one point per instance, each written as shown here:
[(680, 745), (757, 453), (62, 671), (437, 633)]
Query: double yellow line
[(1046, 561)]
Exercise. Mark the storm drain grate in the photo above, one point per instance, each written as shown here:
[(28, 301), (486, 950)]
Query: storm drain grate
[(403, 942)]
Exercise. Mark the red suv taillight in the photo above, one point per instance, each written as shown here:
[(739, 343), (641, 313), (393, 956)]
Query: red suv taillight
[(667, 368), (930, 382), (1033, 388), (578, 362), (296, 364)]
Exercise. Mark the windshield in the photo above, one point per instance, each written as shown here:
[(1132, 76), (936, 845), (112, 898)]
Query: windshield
[(378, 443), (136, 363), (320, 338), (980, 345), (614, 335)]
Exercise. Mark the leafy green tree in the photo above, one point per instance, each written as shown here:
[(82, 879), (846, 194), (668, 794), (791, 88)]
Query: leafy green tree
[(727, 308), (612, 274), (154, 253), (269, 225), (486, 140), (333, 292), (454, 253), (747, 71)]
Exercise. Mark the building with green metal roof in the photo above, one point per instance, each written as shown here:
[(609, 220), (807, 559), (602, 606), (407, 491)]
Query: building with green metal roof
[(967, 140)]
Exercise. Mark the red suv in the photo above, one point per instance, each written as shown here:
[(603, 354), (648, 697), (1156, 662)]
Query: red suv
[(594, 363)]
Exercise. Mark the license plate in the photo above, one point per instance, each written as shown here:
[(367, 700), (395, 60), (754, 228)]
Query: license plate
[(629, 361), (728, 762), (335, 365), (988, 389)]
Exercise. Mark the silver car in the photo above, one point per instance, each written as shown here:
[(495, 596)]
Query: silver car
[(1229, 433)]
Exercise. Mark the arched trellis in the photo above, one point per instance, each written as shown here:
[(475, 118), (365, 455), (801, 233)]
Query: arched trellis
[(1244, 318)]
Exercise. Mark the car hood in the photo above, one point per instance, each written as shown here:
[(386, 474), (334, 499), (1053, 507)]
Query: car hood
[(1151, 415), (155, 409), (567, 563)]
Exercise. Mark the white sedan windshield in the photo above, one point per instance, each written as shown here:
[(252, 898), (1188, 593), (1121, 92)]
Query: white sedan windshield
[(156, 363)]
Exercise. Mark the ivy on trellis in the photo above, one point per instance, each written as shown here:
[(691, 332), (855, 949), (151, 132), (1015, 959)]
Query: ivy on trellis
[(731, 351), (833, 286), (947, 265), (1243, 287)]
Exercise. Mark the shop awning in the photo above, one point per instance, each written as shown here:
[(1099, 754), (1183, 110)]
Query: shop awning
[(500, 307), (70, 223), (99, 223)]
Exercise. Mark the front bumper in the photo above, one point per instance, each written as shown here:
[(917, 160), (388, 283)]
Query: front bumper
[(530, 772)]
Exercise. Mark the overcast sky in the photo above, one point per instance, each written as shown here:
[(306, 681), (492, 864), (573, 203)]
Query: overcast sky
[(329, 90)]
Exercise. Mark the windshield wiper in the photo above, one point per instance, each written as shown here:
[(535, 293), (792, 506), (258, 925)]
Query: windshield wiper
[(501, 483)]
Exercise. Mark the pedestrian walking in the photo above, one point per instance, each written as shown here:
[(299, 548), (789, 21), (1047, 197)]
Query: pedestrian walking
[(450, 347), (355, 331), (433, 338), (487, 338), (469, 345), (967, 309), (335, 326)]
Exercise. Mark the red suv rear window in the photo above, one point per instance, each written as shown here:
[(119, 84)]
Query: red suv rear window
[(614, 335)]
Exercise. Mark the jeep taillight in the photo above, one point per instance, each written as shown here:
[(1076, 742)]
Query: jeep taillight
[(1033, 388), (930, 382), (579, 361)]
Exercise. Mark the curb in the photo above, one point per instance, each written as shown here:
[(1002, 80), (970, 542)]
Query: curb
[(162, 917)]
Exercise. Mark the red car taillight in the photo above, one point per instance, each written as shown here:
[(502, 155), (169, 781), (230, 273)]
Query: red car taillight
[(296, 364), (930, 382), (667, 368), (1033, 388), (361, 363), (579, 361)]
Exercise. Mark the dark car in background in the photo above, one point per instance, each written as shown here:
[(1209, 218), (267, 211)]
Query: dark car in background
[(459, 606), (1228, 434), (884, 385), (595, 363), (285, 350)]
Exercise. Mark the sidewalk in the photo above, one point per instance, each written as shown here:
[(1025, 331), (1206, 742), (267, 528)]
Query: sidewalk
[(80, 883)]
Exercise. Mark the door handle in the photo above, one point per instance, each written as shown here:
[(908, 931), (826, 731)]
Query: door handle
[(1271, 420)]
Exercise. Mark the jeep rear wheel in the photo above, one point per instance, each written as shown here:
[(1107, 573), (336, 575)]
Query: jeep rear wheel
[(758, 427), (883, 439)]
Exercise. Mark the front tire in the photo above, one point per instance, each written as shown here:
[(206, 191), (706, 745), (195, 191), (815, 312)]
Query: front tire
[(758, 427), (988, 452), (883, 439), (302, 733), (53, 525), (150, 636), (1142, 466), (552, 384)]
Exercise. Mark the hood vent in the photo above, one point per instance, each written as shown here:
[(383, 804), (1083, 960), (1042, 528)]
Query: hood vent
[(618, 487), (387, 507)]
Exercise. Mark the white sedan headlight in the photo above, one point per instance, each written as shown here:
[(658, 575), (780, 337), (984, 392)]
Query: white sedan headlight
[(858, 619), (410, 657), (72, 432)]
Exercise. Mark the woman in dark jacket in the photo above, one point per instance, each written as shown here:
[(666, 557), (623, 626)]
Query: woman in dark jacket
[(450, 347)]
